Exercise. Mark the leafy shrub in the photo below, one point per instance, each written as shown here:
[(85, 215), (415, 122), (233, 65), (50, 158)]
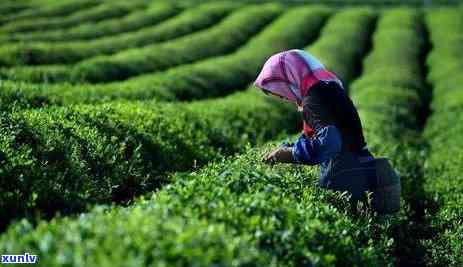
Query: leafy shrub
[(135, 20), (68, 52), (351, 27), (216, 76), (234, 213), (224, 37), (389, 101), (391, 97), (11, 8), (53, 10), (60, 159), (443, 131), (221, 38), (97, 13), (267, 216), (384, 92)]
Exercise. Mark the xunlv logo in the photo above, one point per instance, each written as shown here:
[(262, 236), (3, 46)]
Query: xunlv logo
[(26, 258)]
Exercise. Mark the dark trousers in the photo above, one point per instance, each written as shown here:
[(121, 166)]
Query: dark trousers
[(348, 172)]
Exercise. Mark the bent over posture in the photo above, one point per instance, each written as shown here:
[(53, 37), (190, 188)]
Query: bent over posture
[(333, 136)]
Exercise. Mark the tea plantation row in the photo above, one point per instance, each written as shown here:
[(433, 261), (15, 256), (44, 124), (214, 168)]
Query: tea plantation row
[(102, 11), (390, 103), (221, 38), (183, 24), (61, 159), (236, 212), (239, 211), (44, 11), (444, 180), (216, 76), (115, 135), (79, 155), (11, 8), (149, 16)]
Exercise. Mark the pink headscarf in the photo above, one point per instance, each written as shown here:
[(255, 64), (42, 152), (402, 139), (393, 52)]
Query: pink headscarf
[(290, 74)]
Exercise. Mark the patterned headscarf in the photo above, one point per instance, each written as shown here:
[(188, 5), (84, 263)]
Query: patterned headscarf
[(290, 74)]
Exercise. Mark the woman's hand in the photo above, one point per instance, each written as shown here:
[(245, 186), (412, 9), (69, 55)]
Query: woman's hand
[(281, 154)]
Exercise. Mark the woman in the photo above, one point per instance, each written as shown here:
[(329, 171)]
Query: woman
[(333, 136)]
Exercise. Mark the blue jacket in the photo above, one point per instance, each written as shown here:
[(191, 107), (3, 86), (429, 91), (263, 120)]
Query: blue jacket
[(325, 144), (340, 169)]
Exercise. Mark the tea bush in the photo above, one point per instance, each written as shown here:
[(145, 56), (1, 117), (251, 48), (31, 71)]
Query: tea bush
[(216, 76), (233, 213), (390, 97), (61, 159), (224, 37), (352, 27), (52, 10), (135, 20), (276, 216), (100, 12), (11, 8), (221, 38), (73, 51), (444, 133)]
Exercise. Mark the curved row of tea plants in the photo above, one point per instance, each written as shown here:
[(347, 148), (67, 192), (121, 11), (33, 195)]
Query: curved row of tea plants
[(282, 239), (135, 20), (202, 79), (272, 215), (391, 97), (54, 10), (12, 8), (342, 3), (287, 222), (221, 38), (235, 122), (444, 180), (100, 12), (345, 38), (11, 2), (217, 76), (209, 132), (61, 159), (397, 45), (265, 217), (66, 52)]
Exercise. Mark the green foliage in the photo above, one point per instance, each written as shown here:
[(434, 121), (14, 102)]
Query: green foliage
[(444, 132), (11, 8), (135, 20), (60, 159), (53, 10), (239, 211), (339, 3), (235, 213), (97, 13), (223, 37), (217, 76), (388, 94), (344, 39), (391, 97), (73, 51)]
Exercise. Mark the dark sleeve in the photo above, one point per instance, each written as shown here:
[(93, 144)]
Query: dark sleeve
[(328, 104), (325, 144)]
